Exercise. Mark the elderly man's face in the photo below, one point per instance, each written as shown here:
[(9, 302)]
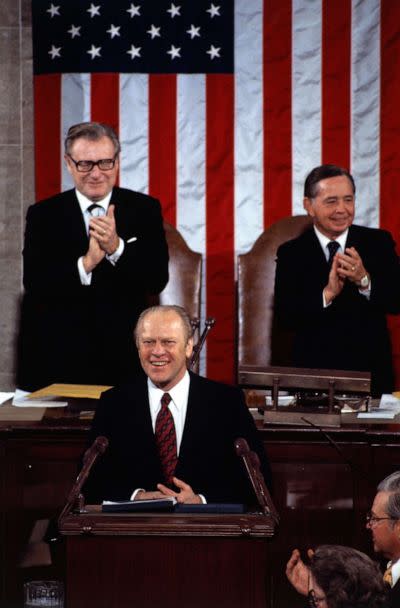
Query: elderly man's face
[(332, 209), (97, 183), (163, 348), (385, 532)]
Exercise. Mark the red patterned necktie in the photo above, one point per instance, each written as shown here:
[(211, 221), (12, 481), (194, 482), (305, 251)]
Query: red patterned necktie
[(166, 439)]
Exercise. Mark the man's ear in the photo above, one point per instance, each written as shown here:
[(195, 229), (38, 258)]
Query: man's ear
[(308, 206), (68, 163), (189, 348), (396, 529)]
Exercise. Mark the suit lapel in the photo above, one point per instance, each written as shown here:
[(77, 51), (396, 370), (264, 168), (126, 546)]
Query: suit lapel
[(139, 435), (195, 418), (73, 218)]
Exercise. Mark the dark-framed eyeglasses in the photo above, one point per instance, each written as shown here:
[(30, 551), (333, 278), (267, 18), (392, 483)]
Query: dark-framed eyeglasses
[(372, 520), (84, 166), (314, 600)]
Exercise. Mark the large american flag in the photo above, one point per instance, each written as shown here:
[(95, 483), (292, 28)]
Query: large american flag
[(222, 108)]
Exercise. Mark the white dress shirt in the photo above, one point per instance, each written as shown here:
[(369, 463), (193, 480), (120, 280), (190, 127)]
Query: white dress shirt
[(178, 405), (395, 571), (341, 240), (84, 203)]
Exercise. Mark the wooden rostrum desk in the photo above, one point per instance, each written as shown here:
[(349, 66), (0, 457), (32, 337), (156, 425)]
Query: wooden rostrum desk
[(151, 561), (319, 496)]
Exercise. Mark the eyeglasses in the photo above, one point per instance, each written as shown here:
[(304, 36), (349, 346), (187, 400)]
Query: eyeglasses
[(84, 166), (372, 519), (313, 600)]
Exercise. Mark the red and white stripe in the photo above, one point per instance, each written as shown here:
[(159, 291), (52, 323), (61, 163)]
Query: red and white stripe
[(314, 82)]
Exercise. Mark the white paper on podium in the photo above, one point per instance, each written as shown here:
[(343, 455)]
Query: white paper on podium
[(21, 400)]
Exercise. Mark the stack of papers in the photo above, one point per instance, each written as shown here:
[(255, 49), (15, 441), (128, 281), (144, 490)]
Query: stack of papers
[(389, 406), (161, 504), (56, 395), (5, 397), (24, 399)]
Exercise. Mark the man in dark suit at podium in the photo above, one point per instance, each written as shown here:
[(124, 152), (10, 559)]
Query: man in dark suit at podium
[(91, 257), (172, 432), (336, 282)]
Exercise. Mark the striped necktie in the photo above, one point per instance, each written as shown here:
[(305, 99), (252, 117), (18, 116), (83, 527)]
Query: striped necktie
[(166, 439), (387, 577)]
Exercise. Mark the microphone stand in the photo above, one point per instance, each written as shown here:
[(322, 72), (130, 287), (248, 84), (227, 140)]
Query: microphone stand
[(252, 464), (98, 447), (209, 323)]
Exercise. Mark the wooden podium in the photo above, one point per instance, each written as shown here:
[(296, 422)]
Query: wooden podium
[(167, 560)]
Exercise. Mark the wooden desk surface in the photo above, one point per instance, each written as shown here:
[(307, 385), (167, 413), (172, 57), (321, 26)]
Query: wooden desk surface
[(322, 496)]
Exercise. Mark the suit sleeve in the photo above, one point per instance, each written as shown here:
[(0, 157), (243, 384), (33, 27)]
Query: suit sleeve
[(297, 296), (50, 264), (95, 487), (384, 269), (145, 260)]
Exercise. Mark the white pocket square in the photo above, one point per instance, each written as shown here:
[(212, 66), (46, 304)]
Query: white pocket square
[(132, 239)]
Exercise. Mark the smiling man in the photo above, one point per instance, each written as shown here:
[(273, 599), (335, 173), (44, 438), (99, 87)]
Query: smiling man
[(91, 257), (384, 523), (335, 283), (172, 432)]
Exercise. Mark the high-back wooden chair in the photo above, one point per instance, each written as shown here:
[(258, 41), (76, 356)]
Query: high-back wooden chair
[(258, 342), (185, 268), (184, 284)]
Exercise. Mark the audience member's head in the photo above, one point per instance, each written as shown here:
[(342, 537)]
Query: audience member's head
[(384, 518), (342, 577)]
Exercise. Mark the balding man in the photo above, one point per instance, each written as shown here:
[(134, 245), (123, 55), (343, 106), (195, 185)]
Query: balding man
[(92, 255), (171, 432)]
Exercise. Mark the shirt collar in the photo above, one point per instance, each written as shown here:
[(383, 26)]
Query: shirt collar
[(84, 202), (324, 240), (179, 393), (395, 571)]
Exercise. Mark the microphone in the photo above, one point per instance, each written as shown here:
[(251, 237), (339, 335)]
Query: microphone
[(352, 465), (98, 447), (252, 465)]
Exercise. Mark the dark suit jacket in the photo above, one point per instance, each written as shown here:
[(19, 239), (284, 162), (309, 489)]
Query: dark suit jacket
[(394, 596), (216, 416), (351, 333), (76, 333)]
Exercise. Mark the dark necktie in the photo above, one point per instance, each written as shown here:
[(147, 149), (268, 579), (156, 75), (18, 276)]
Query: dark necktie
[(95, 210), (166, 439), (333, 246)]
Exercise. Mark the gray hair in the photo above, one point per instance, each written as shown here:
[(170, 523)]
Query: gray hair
[(391, 484), (181, 312), (92, 131)]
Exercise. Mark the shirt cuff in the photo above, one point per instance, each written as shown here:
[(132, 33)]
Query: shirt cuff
[(114, 257), (366, 292), (85, 277), (136, 492), (324, 304)]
